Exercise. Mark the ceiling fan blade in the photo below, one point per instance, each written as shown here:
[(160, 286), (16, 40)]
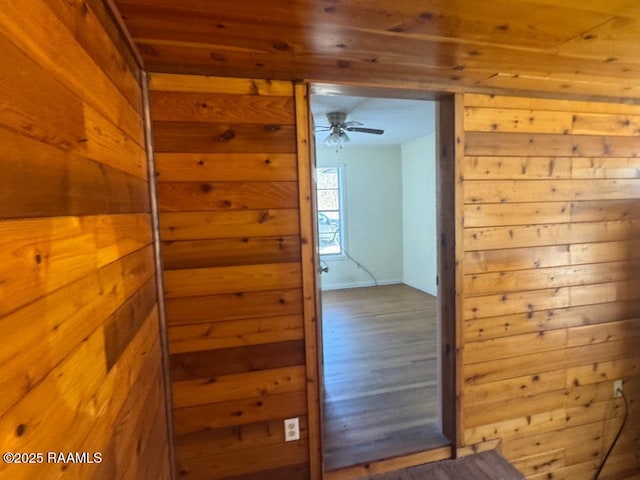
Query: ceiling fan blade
[(375, 131), (322, 128), (352, 123)]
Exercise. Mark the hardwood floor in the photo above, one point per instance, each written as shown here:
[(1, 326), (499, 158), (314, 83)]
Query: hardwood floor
[(380, 374), (483, 466)]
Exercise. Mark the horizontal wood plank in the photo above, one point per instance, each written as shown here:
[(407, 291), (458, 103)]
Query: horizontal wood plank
[(90, 33), (212, 196), (194, 137), (107, 143), (554, 234), (211, 167), (244, 437), (123, 325), (521, 258), (234, 333), (501, 167), (604, 168), (604, 252), (204, 418), (32, 113), (503, 214), (221, 108), (267, 458), (220, 85), (39, 32), (66, 248), (551, 190), (230, 251), (233, 306), (535, 145), (237, 386), (542, 320), (521, 302), (212, 363), (57, 327), (604, 292), (241, 278), (535, 363), (551, 104), (514, 346), (605, 124), (513, 388), (552, 277), (228, 224), (62, 184), (513, 120)]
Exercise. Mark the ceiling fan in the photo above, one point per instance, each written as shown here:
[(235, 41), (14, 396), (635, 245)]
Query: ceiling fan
[(338, 126)]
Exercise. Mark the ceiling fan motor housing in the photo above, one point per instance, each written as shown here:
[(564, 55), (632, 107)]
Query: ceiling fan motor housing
[(336, 118)]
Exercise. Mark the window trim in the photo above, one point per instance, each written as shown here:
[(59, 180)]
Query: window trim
[(340, 167)]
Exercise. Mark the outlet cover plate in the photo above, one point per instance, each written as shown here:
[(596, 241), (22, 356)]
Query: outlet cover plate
[(617, 389), (291, 429)]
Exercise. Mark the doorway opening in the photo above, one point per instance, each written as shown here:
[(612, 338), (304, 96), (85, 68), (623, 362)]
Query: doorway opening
[(379, 212)]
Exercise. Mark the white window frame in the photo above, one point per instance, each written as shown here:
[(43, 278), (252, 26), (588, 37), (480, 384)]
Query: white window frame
[(341, 211)]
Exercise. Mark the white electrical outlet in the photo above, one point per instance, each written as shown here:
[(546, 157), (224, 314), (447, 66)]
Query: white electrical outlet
[(291, 429), (617, 389)]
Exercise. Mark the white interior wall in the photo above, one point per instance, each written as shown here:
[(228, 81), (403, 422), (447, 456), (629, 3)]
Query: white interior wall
[(420, 264), (373, 210)]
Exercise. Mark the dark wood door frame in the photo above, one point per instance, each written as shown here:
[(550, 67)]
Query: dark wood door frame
[(449, 223)]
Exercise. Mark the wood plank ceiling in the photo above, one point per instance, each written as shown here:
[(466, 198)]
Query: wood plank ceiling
[(585, 47)]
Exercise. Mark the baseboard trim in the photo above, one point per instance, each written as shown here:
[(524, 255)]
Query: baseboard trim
[(389, 465), (369, 283)]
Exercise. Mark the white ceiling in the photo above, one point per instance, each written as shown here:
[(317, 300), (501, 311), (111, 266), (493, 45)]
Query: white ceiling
[(401, 120)]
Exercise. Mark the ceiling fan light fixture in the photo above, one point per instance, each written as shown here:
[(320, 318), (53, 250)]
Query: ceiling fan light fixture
[(338, 126), (337, 138), (333, 140)]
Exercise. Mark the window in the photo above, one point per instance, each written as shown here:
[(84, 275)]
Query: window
[(330, 211)]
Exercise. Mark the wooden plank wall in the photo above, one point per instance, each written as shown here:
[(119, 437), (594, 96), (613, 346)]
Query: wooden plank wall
[(551, 309), (79, 340), (229, 219)]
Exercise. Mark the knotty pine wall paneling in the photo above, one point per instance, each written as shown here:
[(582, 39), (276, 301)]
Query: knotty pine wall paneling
[(80, 367), (228, 196), (551, 279)]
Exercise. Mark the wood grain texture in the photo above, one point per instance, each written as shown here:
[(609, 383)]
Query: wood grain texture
[(209, 167), (235, 333), (233, 248), (212, 196), (376, 407), (226, 361), (550, 317), (226, 252), (213, 416), (238, 278), (219, 85), (80, 343), (234, 306), (228, 224), (482, 466), (41, 33), (64, 183), (451, 266), (573, 48), (309, 259), (221, 108), (198, 137), (187, 393)]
